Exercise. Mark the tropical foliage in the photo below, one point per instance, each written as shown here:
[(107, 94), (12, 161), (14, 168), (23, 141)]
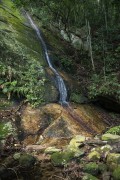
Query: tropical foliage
[(99, 21)]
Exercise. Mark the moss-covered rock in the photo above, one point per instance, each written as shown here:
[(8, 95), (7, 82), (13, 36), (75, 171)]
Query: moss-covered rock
[(102, 168), (113, 160), (114, 130), (89, 177), (22, 59), (106, 148), (116, 173), (77, 141), (110, 137), (94, 156), (102, 150), (26, 160), (62, 158), (91, 168)]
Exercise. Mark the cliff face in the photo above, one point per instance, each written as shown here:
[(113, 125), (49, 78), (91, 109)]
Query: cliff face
[(22, 63)]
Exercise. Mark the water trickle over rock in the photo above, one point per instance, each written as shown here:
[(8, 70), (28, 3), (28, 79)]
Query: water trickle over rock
[(60, 83)]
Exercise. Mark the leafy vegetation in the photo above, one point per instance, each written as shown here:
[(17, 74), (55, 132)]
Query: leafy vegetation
[(114, 130), (96, 23), (108, 85), (6, 129), (21, 72)]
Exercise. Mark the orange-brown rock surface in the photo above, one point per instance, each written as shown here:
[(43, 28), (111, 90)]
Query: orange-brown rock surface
[(53, 124)]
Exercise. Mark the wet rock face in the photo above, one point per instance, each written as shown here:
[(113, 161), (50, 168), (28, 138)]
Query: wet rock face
[(58, 124), (14, 29)]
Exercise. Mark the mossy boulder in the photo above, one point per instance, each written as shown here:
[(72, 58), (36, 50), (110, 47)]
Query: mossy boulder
[(116, 173), (102, 167), (77, 141), (113, 160), (106, 148), (114, 130), (62, 158), (94, 156), (110, 137), (102, 150), (91, 168), (74, 146), (27, 161), (89, 177)]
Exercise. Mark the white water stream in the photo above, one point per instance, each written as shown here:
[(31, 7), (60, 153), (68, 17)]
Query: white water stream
[(61, 85)]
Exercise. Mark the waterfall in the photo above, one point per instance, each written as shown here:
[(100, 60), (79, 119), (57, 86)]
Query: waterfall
[(61, 85)]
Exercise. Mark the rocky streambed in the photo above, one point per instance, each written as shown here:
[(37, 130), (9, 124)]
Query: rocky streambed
[(49, 143)]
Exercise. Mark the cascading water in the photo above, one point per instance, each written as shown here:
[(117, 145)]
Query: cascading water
[(61, 85)]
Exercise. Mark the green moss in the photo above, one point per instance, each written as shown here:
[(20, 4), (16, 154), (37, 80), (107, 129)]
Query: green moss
[(4, 103), (91, 168), (102, 167), (94, 156), (78, 98), (110, 137), (22, 64), (113, 160), (89, 177), (6, 129), (26, 160), (114, 130), (62, 158), (8, 4), (116, 173)]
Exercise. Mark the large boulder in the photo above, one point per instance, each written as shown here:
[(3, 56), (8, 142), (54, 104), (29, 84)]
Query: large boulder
[(62, 158), (94, 156), (57, 124), (26, 160), (113, 160), (110, 137)]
